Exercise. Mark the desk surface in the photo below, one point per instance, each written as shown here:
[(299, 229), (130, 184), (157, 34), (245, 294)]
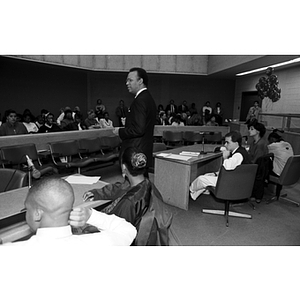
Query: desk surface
[(208, 148), (12, 202), (173, 177)]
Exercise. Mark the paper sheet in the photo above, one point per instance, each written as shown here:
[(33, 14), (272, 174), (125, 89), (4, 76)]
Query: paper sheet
[(174, 156), (80, 179)]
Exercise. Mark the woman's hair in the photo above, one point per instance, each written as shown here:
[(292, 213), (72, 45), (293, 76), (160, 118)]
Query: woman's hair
[(135, 161), (258, 126)]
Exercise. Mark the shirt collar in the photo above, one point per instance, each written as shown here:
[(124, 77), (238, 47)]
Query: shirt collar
[(143, 89), (54, 232)]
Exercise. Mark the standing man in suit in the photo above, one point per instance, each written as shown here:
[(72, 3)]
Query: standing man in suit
[(141, 118)]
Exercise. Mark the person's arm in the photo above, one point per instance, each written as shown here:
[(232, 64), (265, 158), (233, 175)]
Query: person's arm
[(60, 118), (117, 230), (232, 162), (137, 127)]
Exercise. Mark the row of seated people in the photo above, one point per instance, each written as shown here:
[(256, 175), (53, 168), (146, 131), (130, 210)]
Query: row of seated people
[(68, 120), (54, 221), (189, 115), (185, 119), (276, 150)]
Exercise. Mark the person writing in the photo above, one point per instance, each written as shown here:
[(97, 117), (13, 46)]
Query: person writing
[(233, 155), (141, 118), (48, 206), (130, 198)]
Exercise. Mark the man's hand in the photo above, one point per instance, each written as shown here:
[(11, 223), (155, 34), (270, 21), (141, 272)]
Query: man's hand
[(88, 196), (116, 131), (79, 216)]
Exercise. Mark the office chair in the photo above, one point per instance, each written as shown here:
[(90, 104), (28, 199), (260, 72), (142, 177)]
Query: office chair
[(66, 154), (213, 138), (289, 176), (233, 185), (92, 148), (11, 179), (15, 157), (173, 138), (192, 137), (110, 145)]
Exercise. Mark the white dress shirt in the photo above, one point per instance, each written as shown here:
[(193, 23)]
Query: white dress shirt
[(115, 231)]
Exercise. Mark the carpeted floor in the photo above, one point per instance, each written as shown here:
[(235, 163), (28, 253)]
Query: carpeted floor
[(274, 224)]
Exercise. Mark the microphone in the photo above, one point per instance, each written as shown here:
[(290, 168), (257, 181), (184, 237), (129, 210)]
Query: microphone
[(36, 174)]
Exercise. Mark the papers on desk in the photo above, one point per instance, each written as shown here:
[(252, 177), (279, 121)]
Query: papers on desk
[(194, 154), (174, 156), (80, 179)]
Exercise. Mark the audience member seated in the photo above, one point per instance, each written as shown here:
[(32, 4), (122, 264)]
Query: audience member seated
[(27, 111), (218, 112), (12, 126), (91, 122), (162, 119), (131, 197), (30, 126), (282, 151), (44, 114), (39, 121), (49, 203), (253, 113), (233, 154), (193, 109), (49, 125), (212, 121), (177, 121), (206, 110), (68, 119), (62, 114), (160, 108), (172, 107), (194, 120), (99, 109), (121, 112), (183, 108), (106, 122), (78, 123), (258, 146)]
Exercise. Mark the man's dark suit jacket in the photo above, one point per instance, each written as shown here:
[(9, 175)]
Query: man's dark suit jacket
[(139, 125), (168, 107)]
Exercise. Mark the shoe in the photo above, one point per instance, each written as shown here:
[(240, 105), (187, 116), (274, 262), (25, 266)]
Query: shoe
[(206, 192)]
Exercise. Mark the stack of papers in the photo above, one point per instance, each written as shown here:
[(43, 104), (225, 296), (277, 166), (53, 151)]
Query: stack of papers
[(189, 153), (174, 156), (80, 179)]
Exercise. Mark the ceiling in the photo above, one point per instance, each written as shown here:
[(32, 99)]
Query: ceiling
[(264, 61)]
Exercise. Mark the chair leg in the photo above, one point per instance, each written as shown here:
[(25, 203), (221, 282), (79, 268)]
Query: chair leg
[(226, 212)]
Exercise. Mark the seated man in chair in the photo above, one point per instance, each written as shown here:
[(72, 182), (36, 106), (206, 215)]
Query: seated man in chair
[(233, 155), (49, 203)]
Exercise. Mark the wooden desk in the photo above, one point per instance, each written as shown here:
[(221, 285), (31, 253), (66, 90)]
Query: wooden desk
[(12, 202), (173, 177)]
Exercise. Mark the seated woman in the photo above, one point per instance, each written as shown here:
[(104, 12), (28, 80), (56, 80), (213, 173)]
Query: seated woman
[(282, 151), (258, 147), (130, 198)]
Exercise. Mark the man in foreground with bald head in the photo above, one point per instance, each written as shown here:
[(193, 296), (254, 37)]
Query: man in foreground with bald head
[(49, 203)]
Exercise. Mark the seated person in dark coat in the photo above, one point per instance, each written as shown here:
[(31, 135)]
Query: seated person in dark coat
[(49, 125), (12, 126), (131, 197)]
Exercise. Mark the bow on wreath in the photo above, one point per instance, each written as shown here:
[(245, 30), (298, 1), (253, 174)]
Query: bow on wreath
[(268, 86)]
